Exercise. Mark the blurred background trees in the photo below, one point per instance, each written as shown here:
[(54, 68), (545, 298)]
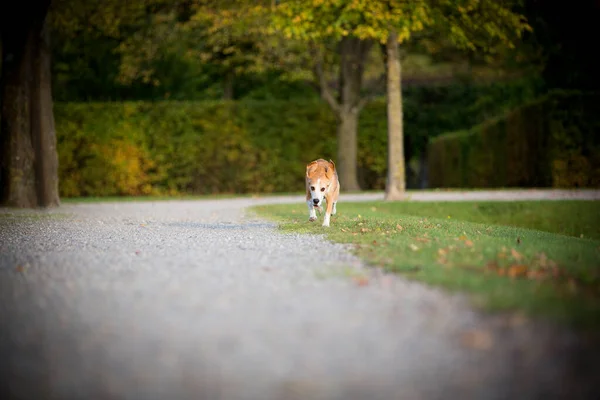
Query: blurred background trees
[(269, 85)]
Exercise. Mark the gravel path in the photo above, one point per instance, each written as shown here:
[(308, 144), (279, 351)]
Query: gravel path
[(200, 300)]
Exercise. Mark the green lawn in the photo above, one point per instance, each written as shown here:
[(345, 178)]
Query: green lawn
[(541, 257)]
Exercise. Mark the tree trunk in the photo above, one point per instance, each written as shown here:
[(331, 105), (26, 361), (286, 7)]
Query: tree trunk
[(42, 124), (28, 157), (353, 56), (228, 85), (347, 143), (17, 175), (396, 178)]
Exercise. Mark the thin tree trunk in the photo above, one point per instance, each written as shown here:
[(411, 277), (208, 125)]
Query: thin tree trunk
[(228, 85), (28, 159), (347, 144), (396, 179)]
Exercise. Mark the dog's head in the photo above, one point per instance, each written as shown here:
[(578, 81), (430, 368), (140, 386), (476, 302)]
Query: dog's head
[(320, 175)]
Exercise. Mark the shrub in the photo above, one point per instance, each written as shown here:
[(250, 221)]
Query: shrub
[(171, 147), (553, 141)]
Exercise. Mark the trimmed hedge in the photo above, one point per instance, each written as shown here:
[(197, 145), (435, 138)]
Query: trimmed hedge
[(142, 148), (551, 142)]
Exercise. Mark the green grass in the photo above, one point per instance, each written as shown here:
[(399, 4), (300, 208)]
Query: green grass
[(540, 257)]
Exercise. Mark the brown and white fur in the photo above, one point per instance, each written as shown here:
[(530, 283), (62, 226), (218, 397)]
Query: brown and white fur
[(322, 184)]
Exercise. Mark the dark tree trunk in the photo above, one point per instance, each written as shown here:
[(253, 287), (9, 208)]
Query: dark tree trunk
[(17, 176), (396, 178), (353, 56), (28, 157), (228, 87)]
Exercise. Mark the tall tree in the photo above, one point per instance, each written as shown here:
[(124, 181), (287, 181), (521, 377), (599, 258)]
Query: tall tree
[(477, 26), (474, 25), (317, 23), (28, 156)]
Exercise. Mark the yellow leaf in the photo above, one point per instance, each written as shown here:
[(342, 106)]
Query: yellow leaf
[(516, 255)]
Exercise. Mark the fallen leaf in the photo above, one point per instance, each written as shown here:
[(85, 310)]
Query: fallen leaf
[(468, 243), (414, 247), (516, 255), (399, 227), (373, 208), (364, 230), (422, 239), (20, 268), (462, 237), (477, 339), (442, 252), (361, 280), (517, 270), (138, 252)]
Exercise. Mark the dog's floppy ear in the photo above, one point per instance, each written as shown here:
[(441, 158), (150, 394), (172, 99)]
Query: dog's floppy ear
[(310, 167), (330, 170)]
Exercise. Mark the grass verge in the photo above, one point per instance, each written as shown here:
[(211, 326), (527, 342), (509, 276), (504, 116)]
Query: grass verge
[(541, 257)]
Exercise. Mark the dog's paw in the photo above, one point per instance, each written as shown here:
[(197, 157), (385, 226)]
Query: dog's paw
[(312, 219), (326, 224)]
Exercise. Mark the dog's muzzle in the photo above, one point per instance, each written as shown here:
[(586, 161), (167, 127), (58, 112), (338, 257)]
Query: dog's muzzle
[(316, 202)]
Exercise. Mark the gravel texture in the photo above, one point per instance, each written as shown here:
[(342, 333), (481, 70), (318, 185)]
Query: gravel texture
[(201, 300)]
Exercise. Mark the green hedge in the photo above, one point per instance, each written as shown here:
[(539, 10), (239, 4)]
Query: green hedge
[(137, 148), (550, 142)]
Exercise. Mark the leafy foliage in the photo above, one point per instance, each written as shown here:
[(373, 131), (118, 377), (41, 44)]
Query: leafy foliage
[(549, 142), (236, 147), (470, 24)]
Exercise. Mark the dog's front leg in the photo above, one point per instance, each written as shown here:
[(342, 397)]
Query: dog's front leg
[(312, 215), (328, 213)]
